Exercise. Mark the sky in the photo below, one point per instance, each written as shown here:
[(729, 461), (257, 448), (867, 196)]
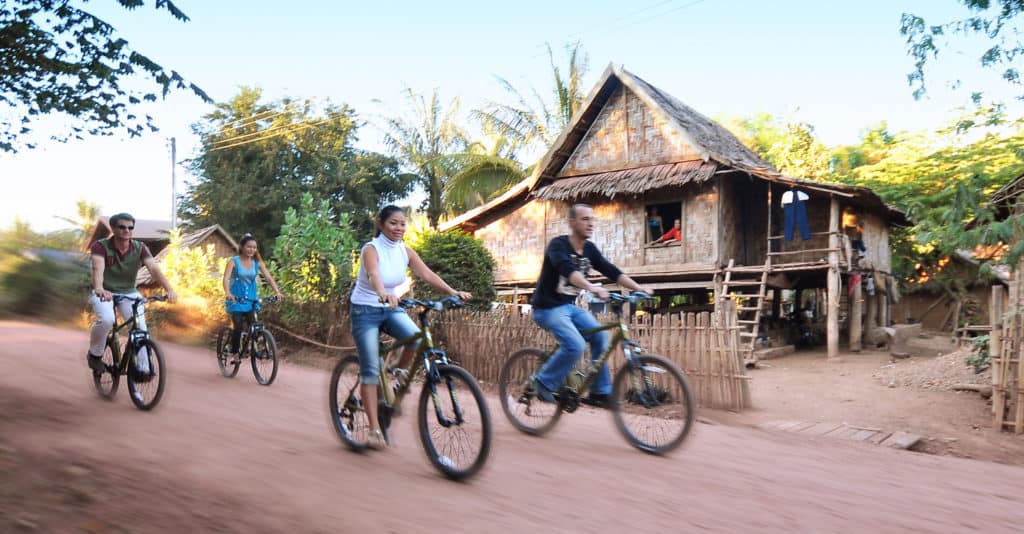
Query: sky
[(840, 66)]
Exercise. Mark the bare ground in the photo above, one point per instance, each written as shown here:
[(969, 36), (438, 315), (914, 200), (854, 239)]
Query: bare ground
[(224, 455)]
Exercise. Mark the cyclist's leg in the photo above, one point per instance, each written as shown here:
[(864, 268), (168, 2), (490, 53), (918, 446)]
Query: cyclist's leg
[(125, 307), (101, 327), (237, 324), (366, 322), (583, 320), (399, 325), (558, 321)]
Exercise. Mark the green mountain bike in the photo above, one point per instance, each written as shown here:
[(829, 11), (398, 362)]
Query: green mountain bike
[(145, 389), (454, 423)]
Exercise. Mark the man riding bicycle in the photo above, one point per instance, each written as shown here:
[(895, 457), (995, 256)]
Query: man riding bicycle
[(567, 262), (115, 264)]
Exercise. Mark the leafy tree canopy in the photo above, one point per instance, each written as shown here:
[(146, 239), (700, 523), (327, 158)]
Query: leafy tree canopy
[(257, 160), (462, 261), (996, 21), (57, 58)]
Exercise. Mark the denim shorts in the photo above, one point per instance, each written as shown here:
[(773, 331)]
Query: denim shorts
[(367, 324)]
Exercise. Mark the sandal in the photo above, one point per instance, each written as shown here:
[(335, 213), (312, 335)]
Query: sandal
[(377, 441)]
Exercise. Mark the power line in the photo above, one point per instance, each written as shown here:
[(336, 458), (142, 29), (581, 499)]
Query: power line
[(278, 132), (247, 121)]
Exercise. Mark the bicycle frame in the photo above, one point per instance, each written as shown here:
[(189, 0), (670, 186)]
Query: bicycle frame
[(619, 336), (423, 352), (135, 337)]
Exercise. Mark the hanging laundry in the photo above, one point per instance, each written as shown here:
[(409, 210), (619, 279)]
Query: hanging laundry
[(794, 209)]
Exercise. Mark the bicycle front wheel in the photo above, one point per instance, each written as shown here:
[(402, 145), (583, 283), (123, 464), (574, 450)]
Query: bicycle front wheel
[(147, 388), (455, 426), (107, 381), (523, 409), (653, 404), (264, 358), (228, 368), (345, 404)]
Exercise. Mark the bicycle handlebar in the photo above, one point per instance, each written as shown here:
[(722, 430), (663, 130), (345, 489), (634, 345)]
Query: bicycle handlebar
[(632, 298), (450, 302), (270, 300), (137, 300)]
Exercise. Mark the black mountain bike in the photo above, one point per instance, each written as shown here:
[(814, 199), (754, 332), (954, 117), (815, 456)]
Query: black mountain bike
[(651, 399), (255, 343), (145, 388), (454, 424)]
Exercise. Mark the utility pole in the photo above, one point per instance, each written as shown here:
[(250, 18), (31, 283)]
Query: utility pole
[(174, 186)]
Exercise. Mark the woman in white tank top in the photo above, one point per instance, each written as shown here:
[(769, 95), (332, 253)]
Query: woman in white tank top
[(374, 304)]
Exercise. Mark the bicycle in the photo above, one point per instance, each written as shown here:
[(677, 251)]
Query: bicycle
[(442, 412), (648, 391), (255, 343), (116, 361)]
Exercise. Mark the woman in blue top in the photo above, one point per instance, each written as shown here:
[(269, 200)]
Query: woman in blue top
[(382, 279), (240, 287)]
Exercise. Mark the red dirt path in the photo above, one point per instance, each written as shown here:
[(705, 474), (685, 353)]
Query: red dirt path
[(231, 456)]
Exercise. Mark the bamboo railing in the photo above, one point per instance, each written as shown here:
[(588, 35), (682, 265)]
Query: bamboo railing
[(706, 346)]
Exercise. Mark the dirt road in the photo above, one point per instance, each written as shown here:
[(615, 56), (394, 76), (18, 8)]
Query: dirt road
[(232, 456)]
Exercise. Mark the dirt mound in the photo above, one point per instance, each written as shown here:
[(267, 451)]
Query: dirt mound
[(938, 373)]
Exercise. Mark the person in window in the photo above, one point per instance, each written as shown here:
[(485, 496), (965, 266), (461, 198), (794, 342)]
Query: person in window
[(654, 226), (675, 234)]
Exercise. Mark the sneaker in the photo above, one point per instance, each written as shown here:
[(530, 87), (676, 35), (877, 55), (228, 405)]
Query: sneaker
[(95, 363), (542, 391), (377, 441), (138, 396), (597, 400)]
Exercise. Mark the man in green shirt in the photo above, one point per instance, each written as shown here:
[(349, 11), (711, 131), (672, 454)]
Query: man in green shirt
[(115, 264)]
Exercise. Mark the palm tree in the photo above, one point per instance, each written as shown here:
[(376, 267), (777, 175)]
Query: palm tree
[(486, 169), (424, 141), (537, 124)]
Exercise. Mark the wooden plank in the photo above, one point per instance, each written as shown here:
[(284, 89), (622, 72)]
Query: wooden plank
[(820, 429), (863, 435), (901, 440), (879, 437)]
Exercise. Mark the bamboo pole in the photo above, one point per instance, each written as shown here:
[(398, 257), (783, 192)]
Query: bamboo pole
[(995, 346), (856, 317)]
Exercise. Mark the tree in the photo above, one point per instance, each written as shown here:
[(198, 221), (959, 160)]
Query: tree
[(85, 220), (56, 58), (791, 147), (462, 261), (486, 169), (536, 124), (424, 140), (992, 20), (258, 159)]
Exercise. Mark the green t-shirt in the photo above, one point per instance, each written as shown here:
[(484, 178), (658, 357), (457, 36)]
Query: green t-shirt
[(120, 271)]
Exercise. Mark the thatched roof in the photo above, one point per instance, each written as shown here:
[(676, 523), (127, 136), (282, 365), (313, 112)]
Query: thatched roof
[(720, 152), (627, 181)]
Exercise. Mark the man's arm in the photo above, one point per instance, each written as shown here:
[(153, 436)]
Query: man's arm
[(99, 264), (154, 269)]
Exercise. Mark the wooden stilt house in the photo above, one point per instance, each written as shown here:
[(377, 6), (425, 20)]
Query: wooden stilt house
[(632, 150)]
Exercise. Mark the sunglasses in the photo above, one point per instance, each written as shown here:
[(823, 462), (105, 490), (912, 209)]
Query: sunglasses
[(123, 227)]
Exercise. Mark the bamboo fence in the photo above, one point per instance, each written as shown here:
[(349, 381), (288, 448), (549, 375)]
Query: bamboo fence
[(706, 346)]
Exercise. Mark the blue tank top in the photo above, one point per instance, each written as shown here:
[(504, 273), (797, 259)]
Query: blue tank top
[(243, 286)]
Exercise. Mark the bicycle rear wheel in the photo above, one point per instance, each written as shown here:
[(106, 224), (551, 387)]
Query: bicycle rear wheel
[(264, 357), (227, 368), (523, 409), (653, 404), (147, 388), (345, 404), (454, 424), (106, 382)]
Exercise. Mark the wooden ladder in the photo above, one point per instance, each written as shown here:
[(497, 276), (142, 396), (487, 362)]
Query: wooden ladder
[(748, 307)]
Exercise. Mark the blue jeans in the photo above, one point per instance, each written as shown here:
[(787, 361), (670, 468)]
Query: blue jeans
[(367, 323), (565, 323), (795, 213)]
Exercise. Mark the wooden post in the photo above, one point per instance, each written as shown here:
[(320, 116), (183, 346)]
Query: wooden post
[(832, 330), (776, 303), (856, 316), (995, 340)]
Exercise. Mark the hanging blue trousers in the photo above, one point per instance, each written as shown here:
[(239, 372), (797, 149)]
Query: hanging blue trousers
[(795, 213)]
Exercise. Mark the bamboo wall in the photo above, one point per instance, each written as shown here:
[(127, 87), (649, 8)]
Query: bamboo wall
[(706, 350)]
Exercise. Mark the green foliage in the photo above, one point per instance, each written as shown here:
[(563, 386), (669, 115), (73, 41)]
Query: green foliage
[(35, 286), (195, 273), (58, 58), (791, 147), (462, 261), (258, 159), (995, 21), (979, 358), (424, 140), (315, 253)]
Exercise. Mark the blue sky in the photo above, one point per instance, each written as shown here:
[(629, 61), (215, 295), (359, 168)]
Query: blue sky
[(840, 66)]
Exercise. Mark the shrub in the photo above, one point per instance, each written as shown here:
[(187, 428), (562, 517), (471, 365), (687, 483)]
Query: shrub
[(462, 261)]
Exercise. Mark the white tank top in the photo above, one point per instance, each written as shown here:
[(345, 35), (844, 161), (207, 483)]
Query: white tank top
[(392, 263)]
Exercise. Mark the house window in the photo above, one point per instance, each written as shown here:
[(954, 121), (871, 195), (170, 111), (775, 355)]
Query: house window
[(660, 218)]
